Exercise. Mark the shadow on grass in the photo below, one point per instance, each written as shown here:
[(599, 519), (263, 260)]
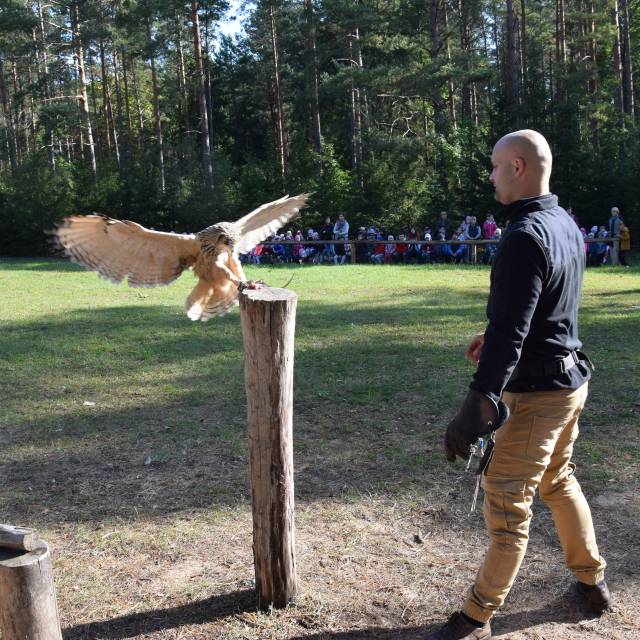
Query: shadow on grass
[(377, 633), (368, 415), (358, 426), (39, 264), (139, 624), (611, 294), (563, 610)]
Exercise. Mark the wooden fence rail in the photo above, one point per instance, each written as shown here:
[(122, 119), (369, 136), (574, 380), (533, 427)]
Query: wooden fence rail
[(614, 242)]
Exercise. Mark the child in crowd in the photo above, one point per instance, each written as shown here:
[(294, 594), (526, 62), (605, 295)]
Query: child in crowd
[(625, 244), (377, 257), (425, 248), (256, 254), (489, 227), (400, 254), (299, 253), (389, 250)]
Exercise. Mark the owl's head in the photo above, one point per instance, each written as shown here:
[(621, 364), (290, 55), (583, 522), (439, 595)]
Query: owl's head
[(219, 237)]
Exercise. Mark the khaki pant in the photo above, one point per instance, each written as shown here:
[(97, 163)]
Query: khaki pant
[(533, 449)]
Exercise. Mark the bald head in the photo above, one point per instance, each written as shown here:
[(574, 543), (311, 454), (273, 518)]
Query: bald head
[(521, 166)]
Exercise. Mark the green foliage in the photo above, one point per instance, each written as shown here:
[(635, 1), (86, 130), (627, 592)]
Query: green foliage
[(410, 105), (31, 201)]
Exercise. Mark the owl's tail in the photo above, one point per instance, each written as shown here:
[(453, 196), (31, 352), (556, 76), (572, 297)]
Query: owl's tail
[(208, 299)]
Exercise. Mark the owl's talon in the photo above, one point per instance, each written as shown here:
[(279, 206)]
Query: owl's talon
[(251, 284)]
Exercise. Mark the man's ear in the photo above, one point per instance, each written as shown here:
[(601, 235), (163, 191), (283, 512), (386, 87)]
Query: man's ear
[(519, 165)]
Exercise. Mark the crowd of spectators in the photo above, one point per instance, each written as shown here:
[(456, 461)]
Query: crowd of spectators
[(441, 242), (603, 252)]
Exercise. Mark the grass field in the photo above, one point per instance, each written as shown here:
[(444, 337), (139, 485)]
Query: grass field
[(96, 378)]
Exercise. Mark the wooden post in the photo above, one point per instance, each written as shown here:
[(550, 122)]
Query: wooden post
[(28, 608), (615, 251), (267, 317)]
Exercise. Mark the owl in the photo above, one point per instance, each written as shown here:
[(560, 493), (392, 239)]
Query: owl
[(119, 249)]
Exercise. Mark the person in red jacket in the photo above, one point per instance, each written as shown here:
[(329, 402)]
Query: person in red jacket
[(378, 254), (401, 254), (489, 227)]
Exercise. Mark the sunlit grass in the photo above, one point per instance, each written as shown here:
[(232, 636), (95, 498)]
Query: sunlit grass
[(95, 379)]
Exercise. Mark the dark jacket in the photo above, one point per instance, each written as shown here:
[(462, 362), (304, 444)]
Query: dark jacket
[(536, 282)]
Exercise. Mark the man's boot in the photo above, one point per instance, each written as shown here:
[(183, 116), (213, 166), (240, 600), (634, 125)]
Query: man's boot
[(596, 597), (459, 627)]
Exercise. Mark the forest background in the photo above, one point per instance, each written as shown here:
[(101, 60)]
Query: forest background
[(385, 109)]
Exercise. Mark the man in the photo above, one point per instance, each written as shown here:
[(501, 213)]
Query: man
[(614, 232), (326, 233), (341, 228), (529, 350)]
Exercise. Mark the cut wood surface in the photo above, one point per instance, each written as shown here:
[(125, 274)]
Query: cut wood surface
[(268, 326), (18, 538)]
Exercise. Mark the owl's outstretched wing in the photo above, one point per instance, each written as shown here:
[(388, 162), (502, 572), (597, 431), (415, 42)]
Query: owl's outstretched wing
[(266, 220), (119, 249)]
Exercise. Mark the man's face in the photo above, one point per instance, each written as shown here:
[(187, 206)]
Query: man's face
[(503, 175)]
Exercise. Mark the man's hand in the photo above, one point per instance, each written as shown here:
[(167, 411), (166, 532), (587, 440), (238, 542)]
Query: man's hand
[(478, 416), (475, 348)]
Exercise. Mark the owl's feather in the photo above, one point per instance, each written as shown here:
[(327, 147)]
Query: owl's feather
[(215, 294), (122, 249), (266, 220)]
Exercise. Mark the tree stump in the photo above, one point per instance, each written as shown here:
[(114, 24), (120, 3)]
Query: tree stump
[(28, 608), (268, 325)]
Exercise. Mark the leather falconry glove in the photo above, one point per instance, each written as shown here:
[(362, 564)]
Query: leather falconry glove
[(478, 416)]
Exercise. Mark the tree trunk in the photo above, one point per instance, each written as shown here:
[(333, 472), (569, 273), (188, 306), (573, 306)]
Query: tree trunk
[(8, 118), (356, 110), (437, 101), (205, 148), (107, 116), (561, 51), (450, 87), (141, 139), (32, 109), (593, 78), (120, 142), (629, 98), (207, 75), (48, 134), (617, 62), (182, 79), (496, 41), (22, 142), (88, 149), (156, 104), (94, 103), (312, 79), (279, 115), (512, 65), (523, 52), (465, 46), (127, 108)]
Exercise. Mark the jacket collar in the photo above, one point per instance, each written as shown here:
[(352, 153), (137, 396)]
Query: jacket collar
[(524, 207)]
